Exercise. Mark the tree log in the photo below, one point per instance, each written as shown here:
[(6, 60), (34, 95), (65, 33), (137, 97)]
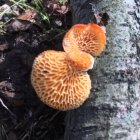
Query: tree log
[(113, 110)]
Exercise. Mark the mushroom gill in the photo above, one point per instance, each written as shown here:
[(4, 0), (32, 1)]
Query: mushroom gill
[(57, 84), (86, 37)]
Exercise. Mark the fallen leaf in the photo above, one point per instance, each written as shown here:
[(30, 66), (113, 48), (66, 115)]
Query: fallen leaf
[(28, 15), (62, 9), (4, 9), (7, 89), (3, 47), (18, 25), (57, 7)]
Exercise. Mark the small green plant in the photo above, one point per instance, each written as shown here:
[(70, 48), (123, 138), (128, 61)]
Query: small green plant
[(63, 1), (1, 28), (39, 8), (22, 4)]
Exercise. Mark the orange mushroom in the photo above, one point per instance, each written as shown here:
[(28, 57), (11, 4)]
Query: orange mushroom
[(57, 81), (89, 38), (80, 60)]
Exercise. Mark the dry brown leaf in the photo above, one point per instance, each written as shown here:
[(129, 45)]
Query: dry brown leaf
[(57, 7), (3, 47), (28, 15), (18, 25)]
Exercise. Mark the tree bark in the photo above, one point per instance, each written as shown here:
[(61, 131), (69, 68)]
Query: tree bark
[(113, 110)]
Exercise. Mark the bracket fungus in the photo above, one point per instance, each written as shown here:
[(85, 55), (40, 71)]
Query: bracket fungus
[(56, 82), (86, 37)]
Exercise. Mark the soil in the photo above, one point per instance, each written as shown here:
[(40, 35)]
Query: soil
[(22, 115)]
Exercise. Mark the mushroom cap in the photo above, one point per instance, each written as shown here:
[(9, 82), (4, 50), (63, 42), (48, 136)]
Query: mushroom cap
[(57, 84), (80, 60), (86, 37)]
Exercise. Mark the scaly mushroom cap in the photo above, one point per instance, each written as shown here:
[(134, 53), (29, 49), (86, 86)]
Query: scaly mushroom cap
[(57, 84), (89, 38)]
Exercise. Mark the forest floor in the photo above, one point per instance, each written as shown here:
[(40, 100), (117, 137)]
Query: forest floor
[(28, 27)]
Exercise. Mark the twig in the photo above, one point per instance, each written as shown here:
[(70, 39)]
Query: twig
[(54, 116), (7, 108)]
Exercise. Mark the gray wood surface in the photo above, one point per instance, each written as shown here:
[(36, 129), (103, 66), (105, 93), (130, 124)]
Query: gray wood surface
[(113, 110)]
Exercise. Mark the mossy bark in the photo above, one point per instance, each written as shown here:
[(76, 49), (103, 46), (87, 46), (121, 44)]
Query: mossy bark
[(113, 110)]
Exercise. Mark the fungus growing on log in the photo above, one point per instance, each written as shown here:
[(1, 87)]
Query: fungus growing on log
[(56, 82), (86, 37), (60, 78)]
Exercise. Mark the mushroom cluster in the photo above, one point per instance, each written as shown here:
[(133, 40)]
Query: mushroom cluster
[(60, 78)]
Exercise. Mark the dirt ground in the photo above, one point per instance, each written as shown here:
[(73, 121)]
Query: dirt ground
[(22, 115)]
